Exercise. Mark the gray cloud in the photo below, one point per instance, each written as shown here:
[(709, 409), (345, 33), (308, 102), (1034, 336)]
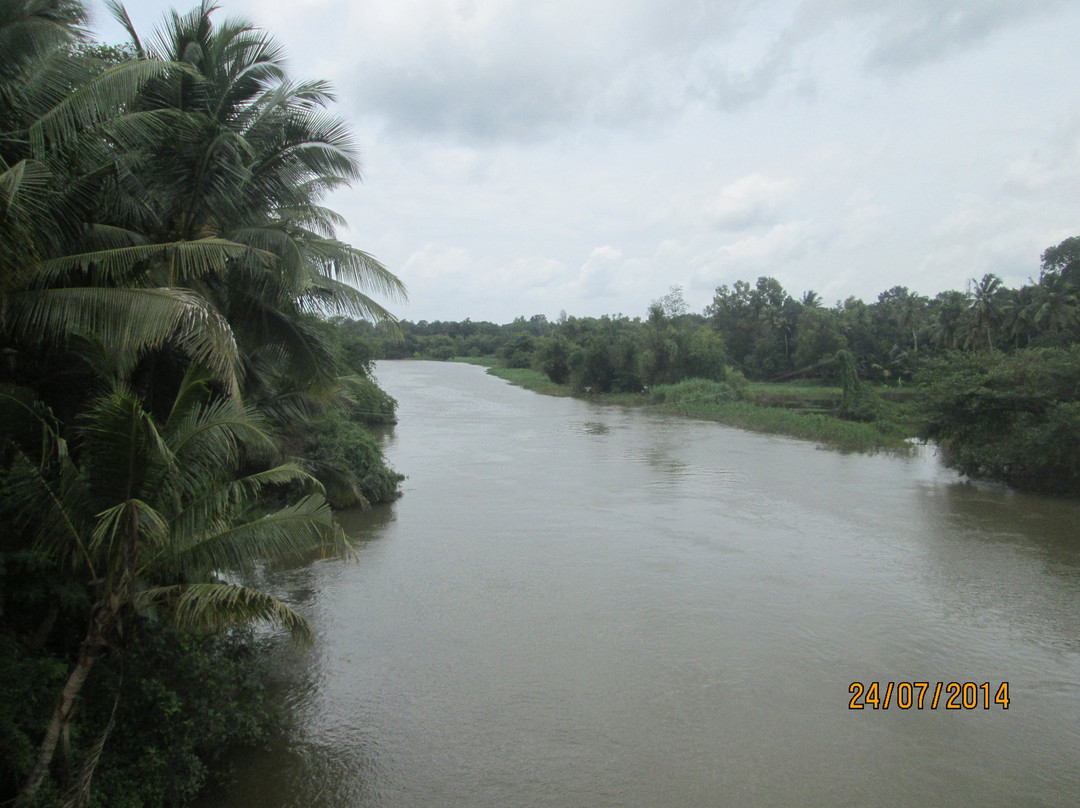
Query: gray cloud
[(522, 75), (904, 35), (522, 71), (519, 75)]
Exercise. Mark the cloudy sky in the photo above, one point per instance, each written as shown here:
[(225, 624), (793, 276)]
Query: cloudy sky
[(535, 156)]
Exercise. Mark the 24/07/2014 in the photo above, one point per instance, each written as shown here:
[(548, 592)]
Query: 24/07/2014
[(905, 695)]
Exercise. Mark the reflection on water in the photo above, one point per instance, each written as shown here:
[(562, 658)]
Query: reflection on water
[(585, 605)]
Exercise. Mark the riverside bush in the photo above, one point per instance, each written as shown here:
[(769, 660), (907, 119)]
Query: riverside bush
[(186, 699), (350, 463), (1009, 417)]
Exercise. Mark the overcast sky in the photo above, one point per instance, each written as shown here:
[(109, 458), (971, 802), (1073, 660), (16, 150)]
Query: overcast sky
[(529, 157)]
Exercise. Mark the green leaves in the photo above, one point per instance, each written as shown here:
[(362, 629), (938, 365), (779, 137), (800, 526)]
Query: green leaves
[(217, 606), (163, 255), (177, 262), (1014, 418), (129, 322), (101, 99)]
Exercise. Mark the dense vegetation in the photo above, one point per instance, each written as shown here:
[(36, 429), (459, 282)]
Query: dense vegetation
[(176, 403), (186, 381), (992, 373), (1028, 401)]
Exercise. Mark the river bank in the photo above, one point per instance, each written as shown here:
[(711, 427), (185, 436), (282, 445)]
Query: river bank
[(774, 409)]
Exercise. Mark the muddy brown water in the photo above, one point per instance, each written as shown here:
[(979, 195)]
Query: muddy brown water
[(581, 605)]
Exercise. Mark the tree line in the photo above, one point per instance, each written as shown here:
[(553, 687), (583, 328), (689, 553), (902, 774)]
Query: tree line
[(183, 391), (998, 367)]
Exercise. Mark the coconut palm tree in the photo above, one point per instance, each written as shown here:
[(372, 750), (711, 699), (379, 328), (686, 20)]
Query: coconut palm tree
[(985, 310), (62, 270), (1018, 308), (1056, 303), (149, 511), (248, 159)]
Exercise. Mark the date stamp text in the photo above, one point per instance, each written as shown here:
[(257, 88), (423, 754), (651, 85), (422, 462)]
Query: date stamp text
[(928, 695)]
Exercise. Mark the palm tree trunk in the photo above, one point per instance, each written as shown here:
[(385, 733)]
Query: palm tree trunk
[(65, 705)]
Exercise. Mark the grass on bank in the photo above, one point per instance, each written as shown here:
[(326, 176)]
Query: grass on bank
[(714, 401), (482, 361), (718, 401), (530, 379)]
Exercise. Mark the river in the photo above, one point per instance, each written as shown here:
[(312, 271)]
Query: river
[(579, 605)]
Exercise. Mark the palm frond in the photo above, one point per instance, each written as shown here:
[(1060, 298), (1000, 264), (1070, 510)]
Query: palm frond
[(118, 435), (49, 506), (23, 189), (219, 606), (182, 260), (130, 322), (346, 263), (290, 532), (30, 30), (119, 13), (125, 527), (211, 433), (329, 296), (101, 98)]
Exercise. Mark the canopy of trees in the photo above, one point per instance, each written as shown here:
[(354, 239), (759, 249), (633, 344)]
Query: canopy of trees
[(173, 402)]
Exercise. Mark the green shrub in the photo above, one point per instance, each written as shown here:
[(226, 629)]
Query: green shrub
[(187, 700), (693, 392), (552, 358), (1014, 418), (518, 351), (349, 462), (370, 404)]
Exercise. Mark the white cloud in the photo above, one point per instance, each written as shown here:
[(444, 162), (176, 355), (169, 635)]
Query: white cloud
[(527, 157), (749, 201)]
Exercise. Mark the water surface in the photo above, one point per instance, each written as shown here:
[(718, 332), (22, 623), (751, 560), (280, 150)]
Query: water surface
[(583, 605)]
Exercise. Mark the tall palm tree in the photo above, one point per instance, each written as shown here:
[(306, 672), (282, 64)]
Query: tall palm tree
[(1018, 308), (985, 310), (63, 271), (248, 159), (911, 314)]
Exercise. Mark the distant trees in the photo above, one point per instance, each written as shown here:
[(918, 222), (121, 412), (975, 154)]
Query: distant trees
[(761, 330), (818, 338), (766, 333)]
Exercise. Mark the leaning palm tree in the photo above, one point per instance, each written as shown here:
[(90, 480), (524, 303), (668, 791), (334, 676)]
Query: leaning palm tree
[(149, 512)]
